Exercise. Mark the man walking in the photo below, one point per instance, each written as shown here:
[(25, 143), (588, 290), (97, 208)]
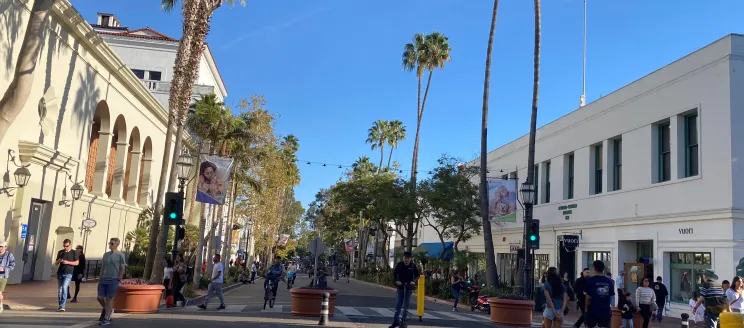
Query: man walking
[(599, 290), (405, 275), (662, 297), (7, 264), (254, 269), (580, 298), (67, 259), (114, 266), (215, 286), (712, 297)]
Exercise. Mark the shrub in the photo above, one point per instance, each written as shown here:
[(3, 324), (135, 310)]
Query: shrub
[(135, 271), (137, 282), (189, 292)]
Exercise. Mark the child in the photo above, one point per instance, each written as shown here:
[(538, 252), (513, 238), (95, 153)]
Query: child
[(626, 309), (699, 315)]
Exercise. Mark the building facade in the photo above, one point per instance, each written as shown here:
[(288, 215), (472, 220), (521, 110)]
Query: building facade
[(106, 132), (649, 178)]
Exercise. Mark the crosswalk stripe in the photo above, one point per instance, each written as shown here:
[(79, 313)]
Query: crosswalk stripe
[(477, 316), (276, 308), (347, 310), (428, 315), (453, 316), (233, 309), (384, 312)]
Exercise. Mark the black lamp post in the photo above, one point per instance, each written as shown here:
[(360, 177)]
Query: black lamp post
[(184, 166), (21, 174), (528, 198)]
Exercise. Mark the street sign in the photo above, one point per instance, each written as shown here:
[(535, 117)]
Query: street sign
[(316, 247), (514, 248), (24, 231), (89, 223), (571, 242)]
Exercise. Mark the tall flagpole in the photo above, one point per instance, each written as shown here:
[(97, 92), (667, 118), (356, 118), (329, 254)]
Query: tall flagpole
[(582, 99)]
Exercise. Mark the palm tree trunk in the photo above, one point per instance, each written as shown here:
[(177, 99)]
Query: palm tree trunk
[(382, 158), (492, 276), (200, 247), (227, 246), (390, 158), (192, 194), (17, 93)]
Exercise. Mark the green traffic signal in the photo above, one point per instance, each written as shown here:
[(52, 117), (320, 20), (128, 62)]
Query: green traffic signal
[(533, 237), (173, 215)]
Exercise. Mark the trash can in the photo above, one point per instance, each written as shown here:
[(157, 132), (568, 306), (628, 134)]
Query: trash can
[(539, 297)]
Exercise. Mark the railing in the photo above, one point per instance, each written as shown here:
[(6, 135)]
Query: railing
[(92, 269), (164, 86)]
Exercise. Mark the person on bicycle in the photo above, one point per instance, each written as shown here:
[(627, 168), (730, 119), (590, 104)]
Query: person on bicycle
[(275, 272)]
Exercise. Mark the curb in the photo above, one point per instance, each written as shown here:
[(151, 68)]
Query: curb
[(426, 297)]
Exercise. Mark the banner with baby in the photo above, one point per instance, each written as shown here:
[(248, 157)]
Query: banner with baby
[(213, 180)]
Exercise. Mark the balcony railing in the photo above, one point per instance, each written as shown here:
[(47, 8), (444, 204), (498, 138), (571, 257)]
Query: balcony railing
[(164, 87)]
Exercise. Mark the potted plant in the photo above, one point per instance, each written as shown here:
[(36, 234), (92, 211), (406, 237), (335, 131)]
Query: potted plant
[(138, 296), (511, 309), (306, 301)]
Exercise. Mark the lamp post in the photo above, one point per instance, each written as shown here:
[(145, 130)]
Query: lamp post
[(21, 174), (184, 165), (528, 198)]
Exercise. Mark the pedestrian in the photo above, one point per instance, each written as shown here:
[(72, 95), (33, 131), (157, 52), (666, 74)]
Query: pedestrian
[(580, 296), (215, 285), (625, 304), (645, 298), (78, 273), (662, 298), (620, 284), (569, 288), (7, 264), (167, 276), (179, 279), (599, 289), (405, 275), (698, 313), (456, 286), (556, 297), (734, 295), (254, 270), (113, 268), (612, 298), (348, 273), (725, 285), (712, 299), (67, 259)]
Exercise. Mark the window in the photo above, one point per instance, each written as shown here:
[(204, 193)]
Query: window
[(665, 153), (598, 169), (507, 268), (513, 176), (692, 166), (547, 182), (535, 179), (155, 76), (617, 164), (541, 264), (105, 20), (686, 271), (605, 257), (140, 74), (570, 175), (505, 177)]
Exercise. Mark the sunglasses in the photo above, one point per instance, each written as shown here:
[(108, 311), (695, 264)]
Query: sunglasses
[(112, 243), (67, 245)]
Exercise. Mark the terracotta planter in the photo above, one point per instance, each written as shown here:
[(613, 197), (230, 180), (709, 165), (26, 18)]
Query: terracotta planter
[(511, 312), (138, 298), (617, 320), (306, 302)]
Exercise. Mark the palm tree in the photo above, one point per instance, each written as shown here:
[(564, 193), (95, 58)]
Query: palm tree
[(492, 276), (18, 90), (426, 52), (377, 136), (396, 133)]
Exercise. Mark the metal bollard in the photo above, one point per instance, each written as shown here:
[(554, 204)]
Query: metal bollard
[(324, 310), (685, 318)]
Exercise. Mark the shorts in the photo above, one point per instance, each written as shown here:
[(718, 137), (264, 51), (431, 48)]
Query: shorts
[(592, 321), (548, 313), (107, 288), (3, 282)]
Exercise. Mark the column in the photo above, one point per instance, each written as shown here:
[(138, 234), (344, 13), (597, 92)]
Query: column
[(134, 173), (99, 183), (119, 170)]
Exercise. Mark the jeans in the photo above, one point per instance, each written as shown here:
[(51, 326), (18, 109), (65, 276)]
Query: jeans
[(711, 319), (214, 288), (456, 293), (63, 282), (274, 287), (660, 311), (626, 323), (402, 301)]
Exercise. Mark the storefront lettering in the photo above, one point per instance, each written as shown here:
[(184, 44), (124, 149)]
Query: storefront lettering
[(685, 231)]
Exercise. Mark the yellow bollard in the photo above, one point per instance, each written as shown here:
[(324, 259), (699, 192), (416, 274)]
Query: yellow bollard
[(731, 320), (420, 293)]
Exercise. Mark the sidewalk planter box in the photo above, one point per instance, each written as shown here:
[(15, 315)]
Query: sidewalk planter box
[(511, 312), (138, 298), (617, 320), (306, 302)]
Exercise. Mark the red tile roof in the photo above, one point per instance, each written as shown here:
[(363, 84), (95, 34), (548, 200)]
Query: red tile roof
[(149, 34)]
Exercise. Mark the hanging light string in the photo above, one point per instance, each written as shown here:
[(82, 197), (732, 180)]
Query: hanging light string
[(342, 166)]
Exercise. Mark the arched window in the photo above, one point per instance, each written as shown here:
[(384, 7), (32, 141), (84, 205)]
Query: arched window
[(117, 155), (143, 185), (96, 161), (133, 164)]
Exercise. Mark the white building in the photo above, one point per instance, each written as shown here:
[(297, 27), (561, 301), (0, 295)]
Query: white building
[(652, 170)]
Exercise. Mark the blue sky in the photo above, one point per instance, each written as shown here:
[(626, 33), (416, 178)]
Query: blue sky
[(329, 68)]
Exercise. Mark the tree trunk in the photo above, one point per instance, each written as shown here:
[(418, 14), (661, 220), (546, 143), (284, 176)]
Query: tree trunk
[(17, 93), (414, 162), (200, 247), (210, 235), (192, 194), (492, 276), (390, 158), (382, 158), (227, 246)]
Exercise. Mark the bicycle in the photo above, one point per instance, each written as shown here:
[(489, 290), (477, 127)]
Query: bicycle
[(269, 294), (290, 279)]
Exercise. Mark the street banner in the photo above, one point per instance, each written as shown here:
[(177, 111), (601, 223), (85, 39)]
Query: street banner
[(235, 236), (283, 239), (502, 200), (349, 245), (214, 177)]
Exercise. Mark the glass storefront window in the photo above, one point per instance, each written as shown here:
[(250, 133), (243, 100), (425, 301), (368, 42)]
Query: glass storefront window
[(541, 266), (605, 257), (686, 270), (507, 266)]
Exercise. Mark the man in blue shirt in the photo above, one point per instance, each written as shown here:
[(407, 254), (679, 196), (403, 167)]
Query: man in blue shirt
[(599, 291), (274, 273)]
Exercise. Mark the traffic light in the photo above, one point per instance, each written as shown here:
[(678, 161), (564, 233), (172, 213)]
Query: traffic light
[(533, 235), (174, 208)]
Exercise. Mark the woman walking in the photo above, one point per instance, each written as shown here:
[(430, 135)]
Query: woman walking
[(734, 295), (77, 273), (167, 275), (456, 281), (569, 288), (556, 297), (645, 298), (178, 280)]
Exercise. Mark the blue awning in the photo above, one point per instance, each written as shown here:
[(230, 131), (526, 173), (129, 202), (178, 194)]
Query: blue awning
[(434, 249)]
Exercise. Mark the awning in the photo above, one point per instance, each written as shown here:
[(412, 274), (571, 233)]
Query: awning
[(433, 250)]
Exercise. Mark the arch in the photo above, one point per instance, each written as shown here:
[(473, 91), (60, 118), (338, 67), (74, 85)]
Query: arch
[(117, 155), (95, 170), (133, 166), (143, 184)]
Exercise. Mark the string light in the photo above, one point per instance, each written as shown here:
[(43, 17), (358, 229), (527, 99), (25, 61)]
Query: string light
[(341, 166)]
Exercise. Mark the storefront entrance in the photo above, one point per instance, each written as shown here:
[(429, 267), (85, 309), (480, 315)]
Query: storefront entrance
[(33, 233)]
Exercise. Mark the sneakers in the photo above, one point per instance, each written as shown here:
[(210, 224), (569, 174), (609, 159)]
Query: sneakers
[(61, 309), (105, 322), (221, 307), (202, 306), (103, 314), (74, 300)]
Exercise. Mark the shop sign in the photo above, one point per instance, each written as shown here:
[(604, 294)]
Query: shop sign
[(514, 248), (685, 231), (571, 242)]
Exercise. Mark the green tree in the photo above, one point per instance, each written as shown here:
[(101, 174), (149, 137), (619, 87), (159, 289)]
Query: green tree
[(377, 136), (396, 132)]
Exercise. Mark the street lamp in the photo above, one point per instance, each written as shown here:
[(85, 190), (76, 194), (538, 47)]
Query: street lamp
[(184, 165), (21, 174), (76, 191), (528, 193), (528, 197)]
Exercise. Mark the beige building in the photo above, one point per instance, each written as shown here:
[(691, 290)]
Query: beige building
[(105, 130)]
